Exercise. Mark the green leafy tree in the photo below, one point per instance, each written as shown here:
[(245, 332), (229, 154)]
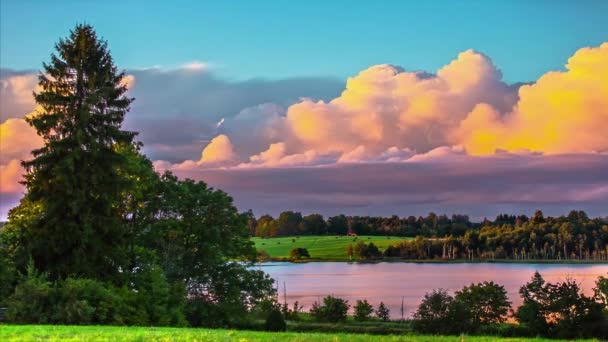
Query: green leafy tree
[(313, 224), (334, 309), (337, 225), (74, 179), (439, 313), (363, 310), (289, 223), (383, 312), (487, 302), (534, 309), (601, 290)]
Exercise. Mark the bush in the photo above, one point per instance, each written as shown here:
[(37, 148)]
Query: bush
[(363, 310), (149, 301), (85, 301), (275, 321), (298, 253), (32, 300), (333, 310)]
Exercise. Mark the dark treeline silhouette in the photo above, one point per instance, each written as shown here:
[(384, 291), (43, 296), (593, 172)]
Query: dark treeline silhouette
[(293, 223), (571, 237)]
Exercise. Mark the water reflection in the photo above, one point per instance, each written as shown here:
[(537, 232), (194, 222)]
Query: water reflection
[(390, 282)]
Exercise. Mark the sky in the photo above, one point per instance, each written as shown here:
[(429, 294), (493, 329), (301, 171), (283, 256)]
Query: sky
[(362, 108)]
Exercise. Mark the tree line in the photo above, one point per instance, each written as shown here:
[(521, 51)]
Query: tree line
[(575, 236), (290, 223), (558, 310)]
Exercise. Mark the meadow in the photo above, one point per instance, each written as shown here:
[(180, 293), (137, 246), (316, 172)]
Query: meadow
[(9, 333), (324, 247)]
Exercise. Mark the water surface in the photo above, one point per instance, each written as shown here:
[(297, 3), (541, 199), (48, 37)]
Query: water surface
[(390, 282)]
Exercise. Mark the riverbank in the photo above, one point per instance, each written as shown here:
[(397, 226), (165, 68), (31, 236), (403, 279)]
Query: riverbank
[(109, 333), (440, 261)]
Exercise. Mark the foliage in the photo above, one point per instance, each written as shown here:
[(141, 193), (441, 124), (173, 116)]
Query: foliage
[(363, 310), (275, 321), (334, 309), (383, 313), (74, 180), (366, 251), (570, 237), (560, 309), (298, 253), (487, 302), (439, 313), (601, 290), (109, 239), (31, 302)]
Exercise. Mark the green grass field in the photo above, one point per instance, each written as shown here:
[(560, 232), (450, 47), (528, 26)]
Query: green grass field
[(320, 247), (108, 333)]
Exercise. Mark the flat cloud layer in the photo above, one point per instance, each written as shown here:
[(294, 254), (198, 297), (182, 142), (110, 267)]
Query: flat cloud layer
[(459, 139)]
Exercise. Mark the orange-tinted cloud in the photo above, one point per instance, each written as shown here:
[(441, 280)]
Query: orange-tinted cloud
[(563, 112), (17, 139)]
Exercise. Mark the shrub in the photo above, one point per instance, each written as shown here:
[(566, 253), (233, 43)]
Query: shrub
[(275, 321), (84, 301), (298, 253), (333, 310), (32, 300)]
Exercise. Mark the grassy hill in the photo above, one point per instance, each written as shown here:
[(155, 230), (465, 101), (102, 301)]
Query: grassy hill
[(320, 247), (107, 333)]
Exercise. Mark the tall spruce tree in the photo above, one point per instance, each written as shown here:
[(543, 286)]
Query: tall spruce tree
[(75, 178)]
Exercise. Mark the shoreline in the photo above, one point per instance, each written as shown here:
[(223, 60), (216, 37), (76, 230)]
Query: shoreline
[(460, 261)]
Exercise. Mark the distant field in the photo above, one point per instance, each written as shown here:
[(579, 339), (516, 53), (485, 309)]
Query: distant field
[(10, 333), (320, 247)]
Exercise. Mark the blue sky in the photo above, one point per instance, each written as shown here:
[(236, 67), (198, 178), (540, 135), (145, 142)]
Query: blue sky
[(280, 39)]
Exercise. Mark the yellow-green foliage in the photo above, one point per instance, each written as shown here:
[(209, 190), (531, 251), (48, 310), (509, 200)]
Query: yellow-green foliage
[(13, 333), (320, 247)]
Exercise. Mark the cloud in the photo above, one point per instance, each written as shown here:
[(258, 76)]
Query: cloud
[(562, 112), (16, 88), (176, 111), (450, 181), (390, 139), (17, 140), (218, 152)]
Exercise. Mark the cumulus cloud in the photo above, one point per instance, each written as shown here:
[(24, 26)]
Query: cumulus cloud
[(17, 140), (217, 153), (562, 112), (16, 88), (386, 136)]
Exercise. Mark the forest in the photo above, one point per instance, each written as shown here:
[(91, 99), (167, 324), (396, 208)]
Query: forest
[(569, 237)]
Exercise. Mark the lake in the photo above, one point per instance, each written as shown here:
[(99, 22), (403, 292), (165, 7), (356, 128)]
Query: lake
[(390, 282)]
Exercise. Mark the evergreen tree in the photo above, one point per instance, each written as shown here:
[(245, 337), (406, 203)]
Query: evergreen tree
[(75, 177)]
